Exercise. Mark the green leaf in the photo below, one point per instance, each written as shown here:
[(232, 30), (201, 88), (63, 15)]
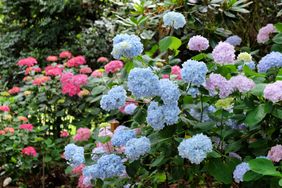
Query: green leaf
[(169, 42), (159, 161), (47, 159), (278, 38), (277, 113), (276, 48), (251, 176), (280, 182), (128, 66), (160, 177), (258, 114), (199, 56), (278, 27), (258, 90), (264, 167)]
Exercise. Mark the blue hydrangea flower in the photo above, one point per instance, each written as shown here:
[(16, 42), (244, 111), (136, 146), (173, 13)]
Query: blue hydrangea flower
[(240, 171), (115, 99), (171, 112), (121, 136), (130, 108), (155, 116), (193, 91), (251, 65), (142, 82), (169, 91), (273, 59), (136, 147), (174, 19), (194, 72), (74, 154), (125, 45), (234, 40), (195, 148)]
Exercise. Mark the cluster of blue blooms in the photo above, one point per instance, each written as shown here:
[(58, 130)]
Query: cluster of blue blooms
[(137, 147), (74, 154), (196, 148), (194, 72), (169, 91), (115, 99), (174, 19), (125, 45), (240, 171), (273, 59), (122, 135), (234, 40)]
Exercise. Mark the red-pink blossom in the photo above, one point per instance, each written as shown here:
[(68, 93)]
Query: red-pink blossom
[(30, 61), (9, 130), (165, 76), (81, 183), (102, 60), (40, 80), (70, 89), (64, 133), (79, 79), (76, 61), (176, 70), (14, 90), (78, 169), (5, 108), (82, 134), (53, 70), (27, 127), (71, 83), (65, 54), (113, 66), (30, 151), (2, 132), (28, 70), (52, 58), (85, 70), (97, 74), (22, 118)]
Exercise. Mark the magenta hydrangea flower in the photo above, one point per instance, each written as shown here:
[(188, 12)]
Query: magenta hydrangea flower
[(242, 83), (265, 32), (224, 53), (198, 43), (275, 153), (273, 92)]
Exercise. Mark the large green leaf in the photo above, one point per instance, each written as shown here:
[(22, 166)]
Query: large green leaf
[(169, 42), (264, 167), (258, 114), (258, 90), (278, 38)]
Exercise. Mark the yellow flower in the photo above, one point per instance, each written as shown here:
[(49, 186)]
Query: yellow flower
[(84, 92), (7, 117), (244, 56), (5, 94), (225, 104), (27, 93)]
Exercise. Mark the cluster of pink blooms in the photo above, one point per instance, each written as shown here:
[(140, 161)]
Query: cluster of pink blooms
[(64, 133), (265, 32), (85, 70), (30, 61), (22, 118), (7, 130), (27, 127), (71, 83), (198, 43), (113, 66), (38, 81), (29, 151), (97, 74), (224, 53), (102, 60), (52, 58), (273, 92), (76, 61), (65, 55), (4, 108), (241, 83), (28, 70), (175, 70), (78, 169), (82, 134), (14, 90), (53, 70), (275, 153)]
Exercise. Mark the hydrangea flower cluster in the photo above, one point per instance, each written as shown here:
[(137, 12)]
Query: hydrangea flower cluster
[(65, 55), (125, 45), (241, 83), (113, 66), (14, 90), (102, 60), (142, 82), (224, 53), (265, 32), (174, 19), (52, 58), (136, 147), (97, 74), (40, 80), (76, 61), (29, 62), (176, 70), (240, 171), (115, 99), (122, 135), (169, 91), (194, 72), (27, 127), (29, 151), (273, 59), (244, 56), (30, 70), (217, 82), (53, 70), (74, 154), (195, 148), (85, 70), (82, 134), (275, 153), (71, 83), (130, 108), (198, 43), (64, 133), (234, 40), (273, 92), (4, 108)]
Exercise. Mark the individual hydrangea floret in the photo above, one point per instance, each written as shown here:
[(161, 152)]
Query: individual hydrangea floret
[(115, 99), (169, 91), (273, 59), (74, 154), (234, 40), (224, 53), (125, 45), (242, 83), (195, 148), (275, 153), (174, 19), (273, 92), (194, 72), (122, 136), (240, 171), (142, 82), (265, 32), (217, 83), (137, 147), (198, 43), (130, 108)]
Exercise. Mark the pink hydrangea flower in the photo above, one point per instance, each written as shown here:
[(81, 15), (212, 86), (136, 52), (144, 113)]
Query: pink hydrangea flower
[(216, 82), (64, 133), (4, 108), (84, 183), (14, 90), (102, 60), (38, 81), (273, 92), (9, 130), (198, 43), (70, 89), (76, 61), (224, 53), (165, 76), (2, 132), (85, 70), (82, 134), (113, 66), (29, 62), (22, 118), (275, 153), (242, 83), (27, 127), (97, 74), (30, 151), (28, 70), (176, 70), (52, 58), (71, 83), (265, 32), (65, 54), (53, 70), (78, 169)]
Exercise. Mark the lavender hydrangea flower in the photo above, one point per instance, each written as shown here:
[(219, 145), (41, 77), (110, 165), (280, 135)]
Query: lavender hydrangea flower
[(74, 154), (122, 135), (216, 82), (130, 108), (136, 147), (194, 72), (242, 83), (142, 82), (275, 153), (174, 19), (240, 171), (195, 148), (198, 43), (224, 53), (115, 99), (273, 59), (234, 40), (265, 32), (169, 91), (273, 92), (125, 45)]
